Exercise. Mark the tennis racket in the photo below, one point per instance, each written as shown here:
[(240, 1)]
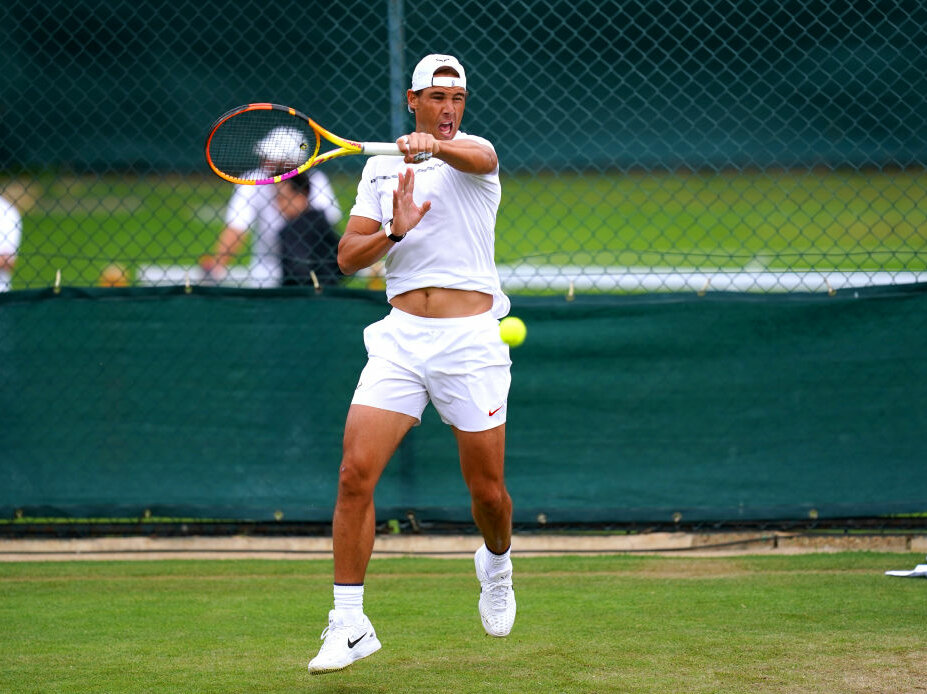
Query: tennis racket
[(258, 144)]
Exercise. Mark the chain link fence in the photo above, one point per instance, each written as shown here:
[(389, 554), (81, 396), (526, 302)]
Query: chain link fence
[(644, 146)]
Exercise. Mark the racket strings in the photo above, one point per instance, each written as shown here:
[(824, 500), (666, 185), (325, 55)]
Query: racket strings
[(257, 144)]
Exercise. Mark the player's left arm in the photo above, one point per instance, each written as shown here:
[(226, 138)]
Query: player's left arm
[(364, 241), (361, 245), (467, 156)]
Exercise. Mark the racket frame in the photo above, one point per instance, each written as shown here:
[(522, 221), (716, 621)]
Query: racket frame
[(345, 147)]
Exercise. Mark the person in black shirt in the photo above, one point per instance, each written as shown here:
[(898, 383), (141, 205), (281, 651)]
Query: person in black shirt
[(308, 244)]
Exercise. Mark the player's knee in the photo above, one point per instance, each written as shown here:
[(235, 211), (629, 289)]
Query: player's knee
[(355, 480), (491, 496)]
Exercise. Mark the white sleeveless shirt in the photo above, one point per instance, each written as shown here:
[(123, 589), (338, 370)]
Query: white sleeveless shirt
[(454, 244)]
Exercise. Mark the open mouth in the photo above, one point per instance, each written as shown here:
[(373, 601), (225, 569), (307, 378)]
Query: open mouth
[(445, 128)]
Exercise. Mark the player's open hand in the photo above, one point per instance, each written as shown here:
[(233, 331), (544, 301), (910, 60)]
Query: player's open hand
[(406, 214)]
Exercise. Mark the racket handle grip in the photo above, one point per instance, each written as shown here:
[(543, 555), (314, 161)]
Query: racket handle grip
[(389, 149)]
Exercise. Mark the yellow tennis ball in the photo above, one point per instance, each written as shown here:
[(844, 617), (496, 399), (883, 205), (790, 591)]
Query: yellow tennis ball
[(512, 330)]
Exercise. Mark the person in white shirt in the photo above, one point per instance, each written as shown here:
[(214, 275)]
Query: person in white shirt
[(435, 222), (11, 231), (254, 209)]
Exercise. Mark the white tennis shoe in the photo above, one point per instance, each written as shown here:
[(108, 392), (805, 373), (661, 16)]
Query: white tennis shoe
[(497, 599), (344, 644)]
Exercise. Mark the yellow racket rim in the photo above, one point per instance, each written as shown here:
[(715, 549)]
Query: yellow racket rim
[(311, 161)]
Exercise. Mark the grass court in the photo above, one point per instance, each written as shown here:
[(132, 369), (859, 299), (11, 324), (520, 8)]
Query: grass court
[(805, 623)]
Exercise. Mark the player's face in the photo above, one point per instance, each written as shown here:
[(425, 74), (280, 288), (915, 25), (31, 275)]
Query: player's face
[(439, 110)]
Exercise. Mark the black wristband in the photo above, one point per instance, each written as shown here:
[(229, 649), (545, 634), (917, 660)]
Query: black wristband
[(387, 229)]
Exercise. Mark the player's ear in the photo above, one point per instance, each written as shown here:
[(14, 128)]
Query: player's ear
[(411, 100)]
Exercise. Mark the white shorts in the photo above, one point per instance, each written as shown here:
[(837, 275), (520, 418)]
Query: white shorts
[(460, 364)]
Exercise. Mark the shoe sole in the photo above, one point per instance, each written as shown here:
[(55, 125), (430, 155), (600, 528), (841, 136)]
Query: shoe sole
[(495, 636), (490, 632), (337, 668)]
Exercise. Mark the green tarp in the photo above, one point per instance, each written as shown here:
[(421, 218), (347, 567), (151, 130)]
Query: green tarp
[(230, 404)]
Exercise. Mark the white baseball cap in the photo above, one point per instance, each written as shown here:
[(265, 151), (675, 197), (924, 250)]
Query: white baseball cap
[(285, 145), (424, 74)]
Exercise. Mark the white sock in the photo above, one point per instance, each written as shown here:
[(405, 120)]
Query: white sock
[(498, 563), (349, 600)]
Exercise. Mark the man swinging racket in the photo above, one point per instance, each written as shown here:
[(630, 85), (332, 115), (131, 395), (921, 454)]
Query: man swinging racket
[(435, 222)]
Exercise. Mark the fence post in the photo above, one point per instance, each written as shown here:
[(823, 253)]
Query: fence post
[(397, 68)]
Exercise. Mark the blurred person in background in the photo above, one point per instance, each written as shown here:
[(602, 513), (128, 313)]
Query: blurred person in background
[(308, 244), (254, 209), (11, 231)]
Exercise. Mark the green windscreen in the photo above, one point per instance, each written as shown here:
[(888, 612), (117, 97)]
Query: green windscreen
[(230, 403)]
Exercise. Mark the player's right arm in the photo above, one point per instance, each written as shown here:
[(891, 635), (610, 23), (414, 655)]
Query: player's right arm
[(466, 155)]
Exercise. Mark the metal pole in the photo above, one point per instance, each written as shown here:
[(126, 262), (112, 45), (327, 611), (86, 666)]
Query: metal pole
[(397, 67)]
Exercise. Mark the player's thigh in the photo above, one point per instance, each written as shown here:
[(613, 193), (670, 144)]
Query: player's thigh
[(371, 436), (468, 382), (386, 384), (482, 458)]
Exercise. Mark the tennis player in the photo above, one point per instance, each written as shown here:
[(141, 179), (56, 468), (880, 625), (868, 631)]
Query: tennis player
[(435, 222)]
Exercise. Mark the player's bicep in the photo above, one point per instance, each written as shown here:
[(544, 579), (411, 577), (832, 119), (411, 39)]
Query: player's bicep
[(361, 226)]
